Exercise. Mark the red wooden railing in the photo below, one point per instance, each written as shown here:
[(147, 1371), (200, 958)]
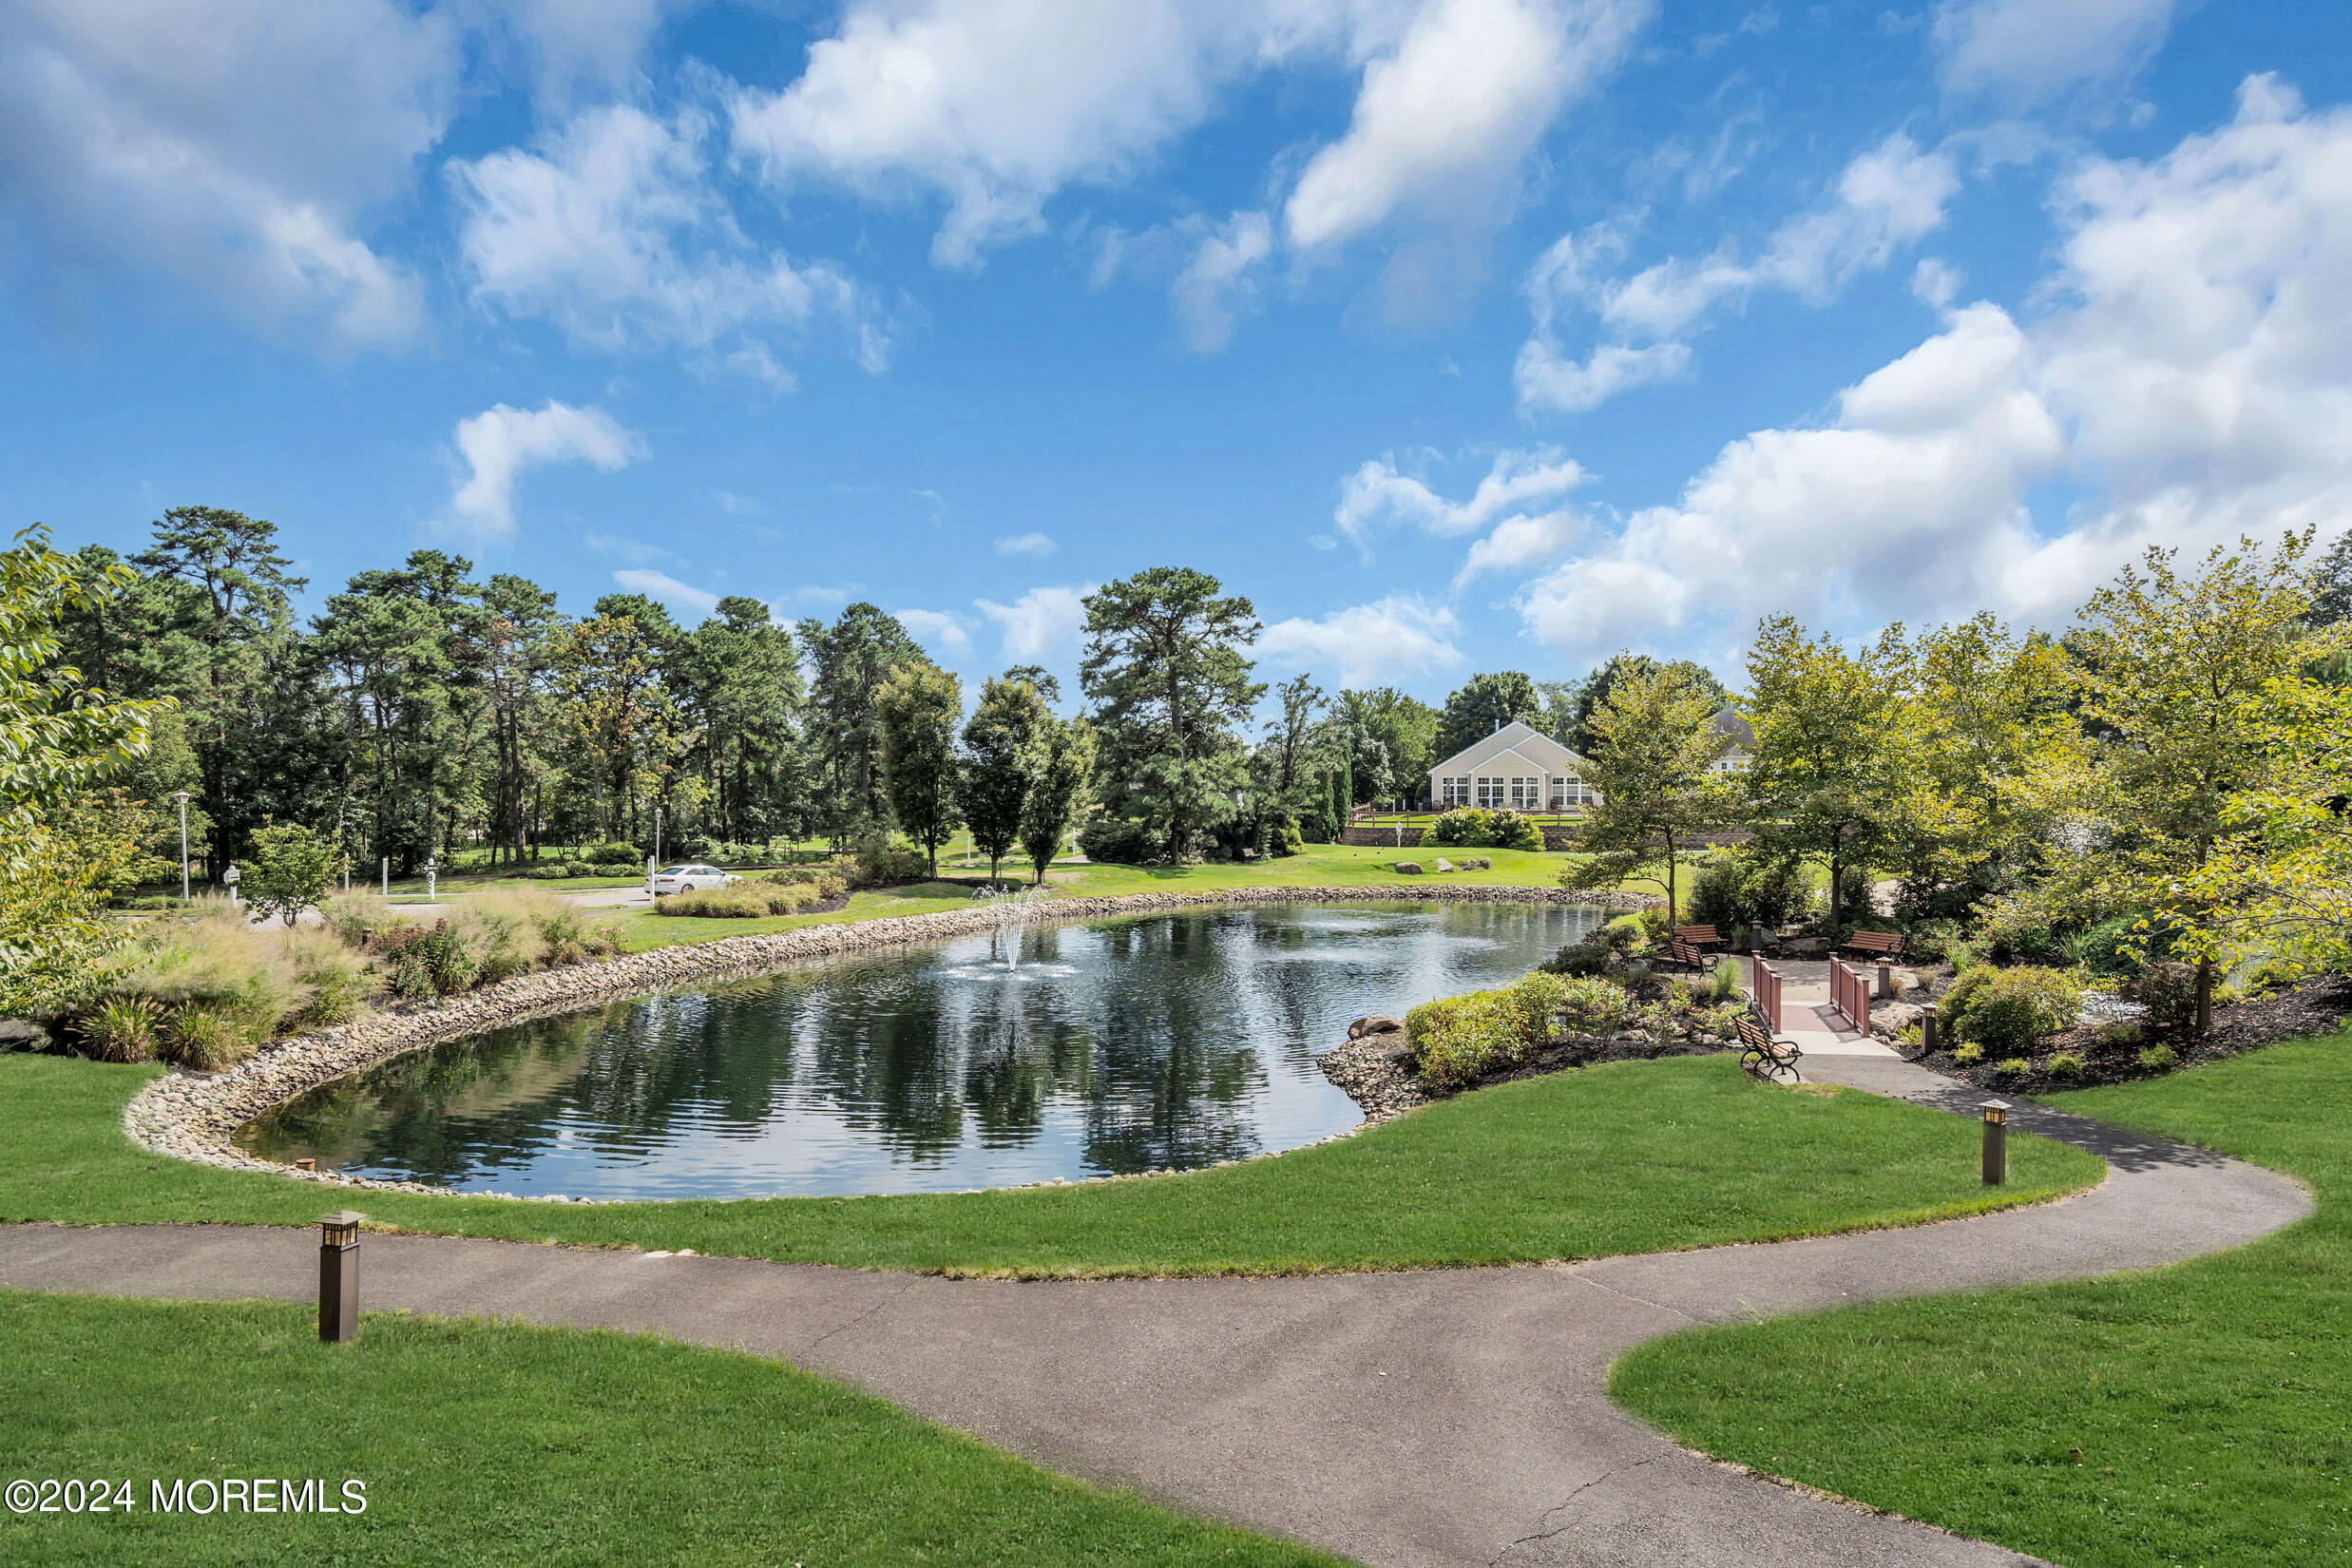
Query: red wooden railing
[(1766, 989), (1849, 993)]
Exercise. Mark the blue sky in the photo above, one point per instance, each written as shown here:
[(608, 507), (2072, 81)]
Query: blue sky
[(1459, 335)]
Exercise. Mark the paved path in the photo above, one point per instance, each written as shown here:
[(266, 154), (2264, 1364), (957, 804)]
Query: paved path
[(1441, 1416)]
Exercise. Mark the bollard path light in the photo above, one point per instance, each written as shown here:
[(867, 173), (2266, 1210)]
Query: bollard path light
[(338, 1277), (1996, 1142), (181, 796)]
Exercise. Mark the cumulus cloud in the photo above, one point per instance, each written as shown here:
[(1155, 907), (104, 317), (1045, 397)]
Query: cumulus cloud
[(996, 108), (614, 232), (234, 145), (1443, 120), (501, 444), (1887, 197), (2193, 375), (668, 589), (1392, 639), (941, 630), (1380, 496), (1039, 624), (2029, 51), (1026, 544)]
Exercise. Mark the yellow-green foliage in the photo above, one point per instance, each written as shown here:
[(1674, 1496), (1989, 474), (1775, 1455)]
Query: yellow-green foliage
[(1459, 1040), (2010, 1010), (740, 902)]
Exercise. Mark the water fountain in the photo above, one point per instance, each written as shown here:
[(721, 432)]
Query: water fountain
[(1012, 920)]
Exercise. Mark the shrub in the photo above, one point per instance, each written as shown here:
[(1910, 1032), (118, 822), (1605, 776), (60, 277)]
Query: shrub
[(211, 959), (1461, 824), (615, 854), (1740, 890), (1118, 841), (2100, 949), (880, 863), (420, 963), (828, 883), (1969, 1055), (1458, 1039), (1472, 828), (2169, 991), (2119, 1035), (1283, 836), (2158, 1058), (2067, 1064), (353, 915), (742, 902), (292, 869), (1723, 980), (121, 1029), (205, 1040), (1514, 830), (1931, 941), (2016, 1066), (336, 980), (1587, 1004), (2010, 1010)]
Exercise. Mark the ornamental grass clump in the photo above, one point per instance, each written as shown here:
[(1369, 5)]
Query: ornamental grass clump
[(737, 902)]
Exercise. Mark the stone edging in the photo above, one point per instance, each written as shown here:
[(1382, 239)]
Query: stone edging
[(191, 1116)]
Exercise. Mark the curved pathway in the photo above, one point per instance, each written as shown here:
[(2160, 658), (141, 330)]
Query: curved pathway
[(1442, 1417)]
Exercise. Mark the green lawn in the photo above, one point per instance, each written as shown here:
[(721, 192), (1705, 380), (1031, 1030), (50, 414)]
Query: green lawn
[(2198, 1415), (484, 1444), (1633, 1157)]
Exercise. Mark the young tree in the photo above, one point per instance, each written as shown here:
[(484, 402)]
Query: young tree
[(1654, 748), (916, 710), (1828, 766), (57, 738), (1585, 698), (1484, 705), (1059, 763), (1405, 727), (1166, 670), (993, 784), (2188, 680), (292, 869)]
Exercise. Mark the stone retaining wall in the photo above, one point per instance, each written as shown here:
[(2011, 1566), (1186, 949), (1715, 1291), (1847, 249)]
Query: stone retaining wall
[(190, 1116)]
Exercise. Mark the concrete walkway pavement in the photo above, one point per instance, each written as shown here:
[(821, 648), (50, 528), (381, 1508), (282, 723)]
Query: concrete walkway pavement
[(1441, 1416)]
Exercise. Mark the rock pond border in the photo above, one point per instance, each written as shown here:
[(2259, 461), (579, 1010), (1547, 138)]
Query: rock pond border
[(192, 1116)]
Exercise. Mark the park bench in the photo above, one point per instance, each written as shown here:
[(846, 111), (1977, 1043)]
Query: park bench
[(1685, 954), (1875, 945), (1700, 936), (1773, 1059)]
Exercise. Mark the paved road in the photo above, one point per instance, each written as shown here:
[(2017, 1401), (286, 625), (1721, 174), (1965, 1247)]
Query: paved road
[(1442, 1417)]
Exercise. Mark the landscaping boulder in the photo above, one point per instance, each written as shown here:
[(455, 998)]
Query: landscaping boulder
[(1805, 947), (1408, 868), (1443, 864), (1374, 1024)]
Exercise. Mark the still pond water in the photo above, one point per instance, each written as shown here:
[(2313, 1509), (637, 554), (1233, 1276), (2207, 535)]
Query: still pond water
[(1142, 1043)]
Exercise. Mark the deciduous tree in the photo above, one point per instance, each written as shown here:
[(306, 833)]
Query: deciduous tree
[(916, 710), (1059, 765), (1655, 747), (993, 784)]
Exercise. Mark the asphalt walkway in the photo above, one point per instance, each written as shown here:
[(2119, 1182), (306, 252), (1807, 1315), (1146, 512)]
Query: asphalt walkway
[(1440, 1417)]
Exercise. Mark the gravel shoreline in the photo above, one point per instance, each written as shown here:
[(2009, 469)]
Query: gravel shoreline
[(191, 1116)]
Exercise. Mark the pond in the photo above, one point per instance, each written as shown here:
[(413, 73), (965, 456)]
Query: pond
[(1149, 1043)]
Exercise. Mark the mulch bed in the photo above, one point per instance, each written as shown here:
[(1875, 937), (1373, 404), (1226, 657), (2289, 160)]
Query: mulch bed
[(1376, 1071), (2317, 1006)]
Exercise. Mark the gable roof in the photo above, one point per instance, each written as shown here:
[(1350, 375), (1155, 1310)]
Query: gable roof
[(1737, 730), (1531, 745)]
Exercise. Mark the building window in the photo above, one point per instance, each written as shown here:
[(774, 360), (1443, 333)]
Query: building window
[(1489, 791)]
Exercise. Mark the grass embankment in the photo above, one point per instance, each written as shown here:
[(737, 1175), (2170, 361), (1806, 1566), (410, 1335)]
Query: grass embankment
[(488, 1444), (1635, 1157), (1320, 865), (2195, 1415)]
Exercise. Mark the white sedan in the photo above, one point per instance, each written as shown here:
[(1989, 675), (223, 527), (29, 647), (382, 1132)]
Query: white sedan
[(686, 879)]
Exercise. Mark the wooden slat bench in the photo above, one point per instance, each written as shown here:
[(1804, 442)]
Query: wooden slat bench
[(1685, 954), (1700, 936), (1875, 945), (1773, 1059)]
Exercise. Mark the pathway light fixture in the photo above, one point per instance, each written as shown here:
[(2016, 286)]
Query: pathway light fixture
[(181, 796), (339, 1276), (1996, 1142)]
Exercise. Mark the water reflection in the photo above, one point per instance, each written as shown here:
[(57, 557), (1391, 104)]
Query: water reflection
[(1169, 1041)]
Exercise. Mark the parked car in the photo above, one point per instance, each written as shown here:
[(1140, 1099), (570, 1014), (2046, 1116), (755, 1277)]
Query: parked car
[(686, 878)]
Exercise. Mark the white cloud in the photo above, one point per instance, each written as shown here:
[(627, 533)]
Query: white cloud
[(1519, 543), (573, 46), (1379, 495), (1887, 197), (816, 596), (2193, 377), (234, 144), (1444, 121), (2032, 49), (1040, 623), (938, 629), (1392, 639), (1026, 544), (1216, 283), (997, 108), (501, 444), (669, 590), (613, 231)]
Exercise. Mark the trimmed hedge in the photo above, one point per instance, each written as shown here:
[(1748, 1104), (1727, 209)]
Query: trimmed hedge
[(1456, 1040)]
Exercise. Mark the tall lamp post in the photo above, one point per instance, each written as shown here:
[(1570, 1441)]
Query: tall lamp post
[(181, 796)]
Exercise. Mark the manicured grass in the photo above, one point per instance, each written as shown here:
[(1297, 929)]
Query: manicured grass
[(484, 1444), (2211, 1403), (1633, 1157)]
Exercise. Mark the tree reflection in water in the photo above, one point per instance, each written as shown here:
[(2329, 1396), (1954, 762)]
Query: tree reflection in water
[(1170, 1041)]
